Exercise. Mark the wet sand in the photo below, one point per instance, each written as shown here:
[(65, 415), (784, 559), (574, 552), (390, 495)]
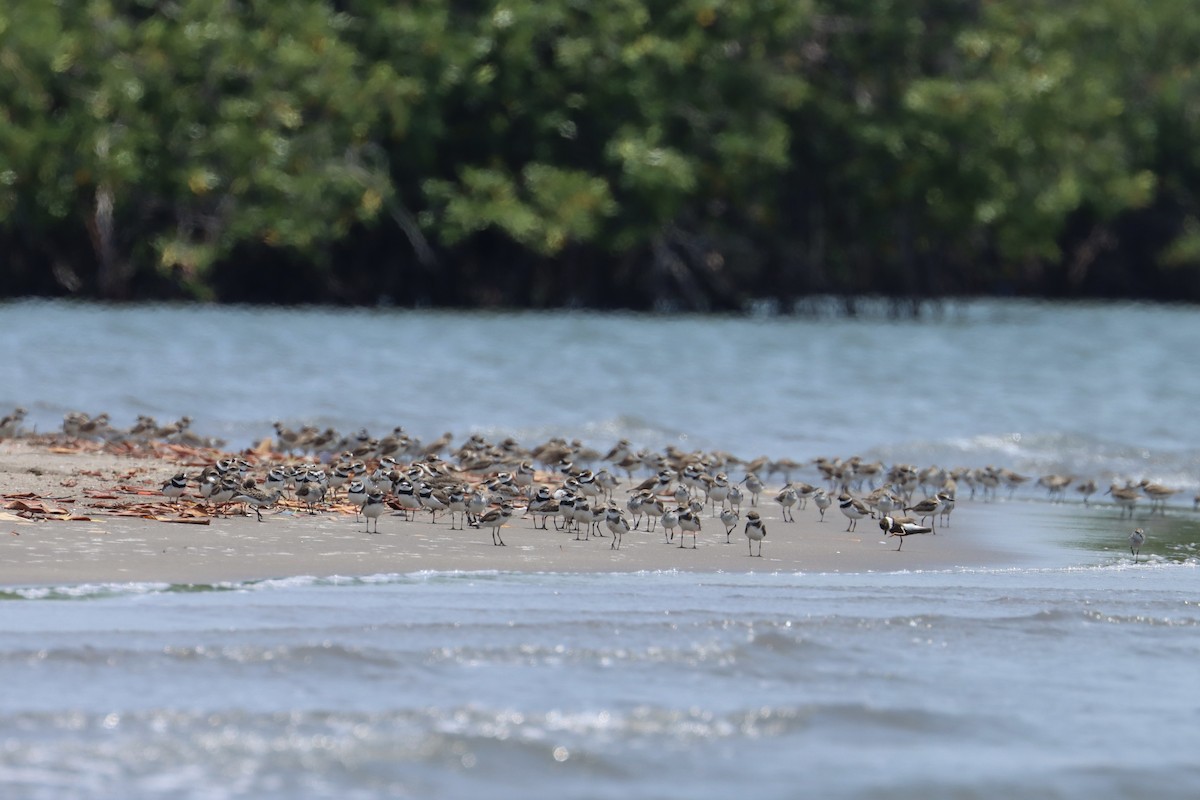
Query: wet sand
[(291, 542)]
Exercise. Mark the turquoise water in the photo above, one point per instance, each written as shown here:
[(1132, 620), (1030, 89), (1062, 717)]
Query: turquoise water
[(1072, 678)]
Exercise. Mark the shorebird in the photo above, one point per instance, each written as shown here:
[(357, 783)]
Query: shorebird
[(495, 520), (1158, 495), (357, 495), (253, 496), (754, 486), (901, 527), (1087, 489), (373, 509), (653, 509), (10, 425), (823, 501), (1056, 485), (947, 500), (1013, 480), (787, 498), (729, 518), (1136, 540), (670, 521), (406, 497), (456, 503), (756, 531), (718, 491), (929, 507), (1124, 496), (432, 501), (175, 487), (688, 523), (734, 498), (853, 508), (615, 521)]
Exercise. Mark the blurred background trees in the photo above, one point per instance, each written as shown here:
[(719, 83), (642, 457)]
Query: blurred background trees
[(634, 154)]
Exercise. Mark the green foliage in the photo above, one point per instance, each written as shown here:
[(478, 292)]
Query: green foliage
[(737, 147)]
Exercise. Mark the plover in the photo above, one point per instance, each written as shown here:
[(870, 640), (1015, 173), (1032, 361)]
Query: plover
[(901, 527), (689, 522), (615, 521), (494, 519), (175, 487), (756, 531), (373, 509), (853, 508)]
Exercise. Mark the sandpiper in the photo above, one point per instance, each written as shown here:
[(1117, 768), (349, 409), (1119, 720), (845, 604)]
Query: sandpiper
[(1136, 540), (729, 518), (754, 486), (253, 496), (1158, 495), (787, 498), (823, 501), (756, 531), (929, 507), (670, 521), (1125, 496)]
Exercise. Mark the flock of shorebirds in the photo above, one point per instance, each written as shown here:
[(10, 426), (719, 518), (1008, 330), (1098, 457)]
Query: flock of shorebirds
[(484, 484)]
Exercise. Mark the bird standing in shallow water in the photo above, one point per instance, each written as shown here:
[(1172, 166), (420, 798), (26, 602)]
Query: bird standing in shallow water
[(1136, 540)]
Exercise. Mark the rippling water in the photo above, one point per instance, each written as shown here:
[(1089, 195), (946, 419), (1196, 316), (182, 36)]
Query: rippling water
[(1073, 683), (1099, 390), (1069, 682)]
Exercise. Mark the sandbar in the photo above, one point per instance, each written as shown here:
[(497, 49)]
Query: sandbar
[(105, 548)]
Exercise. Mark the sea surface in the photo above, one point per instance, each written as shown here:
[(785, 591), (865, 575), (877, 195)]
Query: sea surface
[(1071, 677), (1099, 390)]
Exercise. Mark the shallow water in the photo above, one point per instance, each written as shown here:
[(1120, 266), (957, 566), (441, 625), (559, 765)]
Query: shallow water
[(1099, 390), (1069, 678), (1072, 683)]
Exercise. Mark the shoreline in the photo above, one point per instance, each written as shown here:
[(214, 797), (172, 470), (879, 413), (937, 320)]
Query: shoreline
[(103, 547)]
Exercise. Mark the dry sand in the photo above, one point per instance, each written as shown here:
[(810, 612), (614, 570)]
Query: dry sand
[(107, 548)]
